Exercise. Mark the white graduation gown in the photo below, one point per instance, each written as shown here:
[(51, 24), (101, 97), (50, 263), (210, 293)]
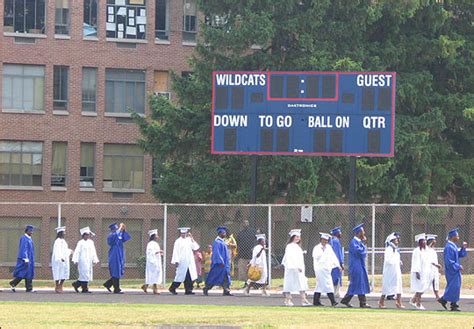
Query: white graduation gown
[(392, 273), (154, 272), (60, 268), (261, 262), (293, 261), (183, 254), (324, 260), (434, 273), (85, 256), (420, 263)]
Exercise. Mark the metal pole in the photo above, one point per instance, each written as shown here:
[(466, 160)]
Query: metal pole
[(59, 215), (373, 247), (269, 262), (253, 180), (352, 191), (165, 241)]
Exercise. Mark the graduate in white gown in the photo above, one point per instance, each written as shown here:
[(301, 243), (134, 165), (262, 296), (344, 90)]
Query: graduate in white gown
[(392, 272), (85, 256), (433, 259), (183, 258), (294, 278), (324, 261), (60, 259), (420, 271), (154, 270), (259, 259)]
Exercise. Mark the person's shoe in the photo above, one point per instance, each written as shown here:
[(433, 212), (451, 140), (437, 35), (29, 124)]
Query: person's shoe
[(12, 288), (144, 288), (227, 293), (413, 304), (30, 290), (86, 292), (400, 306), (420, 307), (107, 287), (205, 291), (365, 306), (391, 297), (443, 303), (334, 304), (346, 303), (288, 302), (172, 291), (382, 306), (75, 285), (318, 304), (455, 307), (307, 303), (189, 293), (118, 292)]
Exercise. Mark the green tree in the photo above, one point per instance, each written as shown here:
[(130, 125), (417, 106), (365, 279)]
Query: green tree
[(428, 44)]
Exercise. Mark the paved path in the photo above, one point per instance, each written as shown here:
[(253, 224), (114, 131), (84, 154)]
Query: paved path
[(133, 296)]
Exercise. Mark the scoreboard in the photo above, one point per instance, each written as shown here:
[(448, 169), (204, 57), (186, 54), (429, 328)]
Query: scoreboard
[(304, 113)]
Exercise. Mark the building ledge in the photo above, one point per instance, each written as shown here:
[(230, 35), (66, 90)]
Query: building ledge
[(90, 38), (87, 189), (120, 115), (126, 40), (22, 111), (21, 188), (122, 190), (62, 36), (60, 112), (89, 114), (58, 188), (25, 35), (162, 42), (189, 44)]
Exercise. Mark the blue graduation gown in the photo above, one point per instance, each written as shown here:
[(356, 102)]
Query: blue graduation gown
[(336, 273), (452, 271), (359, 279), (26, 250), (115, 240), (220, 255)]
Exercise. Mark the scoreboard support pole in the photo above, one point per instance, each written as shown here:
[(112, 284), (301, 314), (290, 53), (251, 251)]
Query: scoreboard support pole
[(352, 191), (253, 179)]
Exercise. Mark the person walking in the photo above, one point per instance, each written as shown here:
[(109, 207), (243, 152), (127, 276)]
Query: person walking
[(25, 261), (420, 271), (259, 259), (219, 273), (392, 272), (116, 239), (60, 259), (336, 273), (154, 268), (85, 256)]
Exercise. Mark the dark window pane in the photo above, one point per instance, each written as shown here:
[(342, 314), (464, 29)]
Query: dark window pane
[(385, 99), (230, 139), (312, 86), (319, 141), (373, 141), (336, 141), (237, 98), (329, 86), (276, 86), (348, 98), (283, 140), (256, 97), (221, 98), (266, 140), (367, 99), (292, 86)]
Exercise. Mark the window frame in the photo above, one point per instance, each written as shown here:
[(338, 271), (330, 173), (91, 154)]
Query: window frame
[(119, 158), (160, 34), (189, 34), (86, 178), (39, 25), (63, 88), (64, 26), (89, 101), (21, 174), (62, 178), (89, 21), (116, 83)]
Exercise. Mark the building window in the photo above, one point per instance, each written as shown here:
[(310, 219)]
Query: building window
[(189, 21), (13, 227), (126, 19), (21, 163), (123, 166), (87, 169), (90, 18), (23, 16), (60, 88), (89, 89), (23, 87), (162, 20), (124, 90), (58, 167), (62, 17), (161, 84)]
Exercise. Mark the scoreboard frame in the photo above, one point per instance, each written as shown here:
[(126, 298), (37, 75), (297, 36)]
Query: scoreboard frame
[(336, 98)]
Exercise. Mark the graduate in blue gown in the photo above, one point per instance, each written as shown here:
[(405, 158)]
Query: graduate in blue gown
[(336, 273), (219, 275), (358, 277), (25, 261), (117, 237), (453, 269)]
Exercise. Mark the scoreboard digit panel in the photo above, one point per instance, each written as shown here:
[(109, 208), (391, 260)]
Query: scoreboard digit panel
[(304, 113)]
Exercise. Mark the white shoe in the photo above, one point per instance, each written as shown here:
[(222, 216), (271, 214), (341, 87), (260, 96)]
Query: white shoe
[(288, 302), (306, 303), (412, 304), (421, 307)]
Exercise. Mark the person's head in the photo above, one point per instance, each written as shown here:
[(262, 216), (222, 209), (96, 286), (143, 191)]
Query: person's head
[(431, 240), (260, 239), (29, 230), (453, 235), (337, 232), (86, 236), (113, 227), (86, 233), (359, 231), (60, 231), (209, 247), (324, 238), (295, 236), (421, 240), (183, 231), (222, 232), (60, 235), (153, 235)]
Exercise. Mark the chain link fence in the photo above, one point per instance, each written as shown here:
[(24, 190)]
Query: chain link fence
[(243, 222)]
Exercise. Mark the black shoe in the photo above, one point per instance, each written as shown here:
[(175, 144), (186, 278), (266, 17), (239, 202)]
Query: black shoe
[(205, 291), (334, 304), (107, 287), (172, 291), (75, 285), (318, 304), (118, 291), (86, 292), (391, 297), (365, 306), (227, 293), (30, 290), (443, 303), (189, 293), (347, 304)]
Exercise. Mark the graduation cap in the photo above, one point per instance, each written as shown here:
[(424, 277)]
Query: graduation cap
[(391, 237), (183, 229), (336, 230), (296, 231), (260, 236), (151, 232), (60, 229), (431, 237), (325, 236), (358, 228), (397, 234), (221, 229), (421, 236), (85, 230), (452, 233), (113, 226)]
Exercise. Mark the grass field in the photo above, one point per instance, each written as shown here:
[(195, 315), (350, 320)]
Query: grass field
[(88, 315)]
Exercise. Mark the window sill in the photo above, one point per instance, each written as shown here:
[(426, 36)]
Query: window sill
[(87, 189), (25, 35), (58, 188), (62, 36), (126, 40), (90, 38), (22, 111), (189, 44), (121, 115), (60, 112), (123, 190), (162, 42), (21, 188), (89, 114)]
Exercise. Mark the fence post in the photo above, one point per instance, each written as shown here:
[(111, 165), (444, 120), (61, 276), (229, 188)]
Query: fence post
[(59, 215), (165, 240), (269, 262), (373, 248)]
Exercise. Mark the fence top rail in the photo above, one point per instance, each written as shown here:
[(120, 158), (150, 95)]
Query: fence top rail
[(247, 205)]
